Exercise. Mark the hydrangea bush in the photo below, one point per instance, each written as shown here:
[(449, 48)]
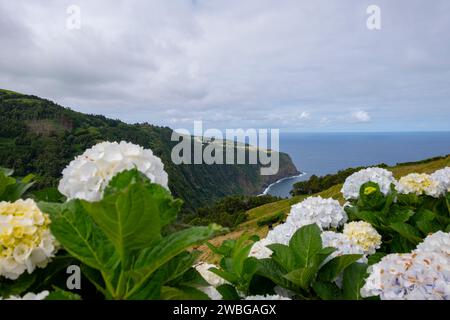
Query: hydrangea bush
[(112, 214)]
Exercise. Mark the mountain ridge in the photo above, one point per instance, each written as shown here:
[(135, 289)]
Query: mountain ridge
[(40, 136)]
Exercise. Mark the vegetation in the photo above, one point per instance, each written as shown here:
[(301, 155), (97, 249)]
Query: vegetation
[(38, 136), (229, 211), (316, 184), (267, 210)]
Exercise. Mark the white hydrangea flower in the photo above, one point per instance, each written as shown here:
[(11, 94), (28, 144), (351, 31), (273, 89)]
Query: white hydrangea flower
[(282, 233), (412, 276), (266, 297), (353, 183), (443, 177), (259, 249), (210, 277), (438, 242), (88, 174), (343, 244), (326, 213), (25, 238), (364, 235), (213, 279), (30, 296), (420, 183)]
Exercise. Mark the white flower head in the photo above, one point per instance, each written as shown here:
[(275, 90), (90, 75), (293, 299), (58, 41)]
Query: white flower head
[(25, 238), (343, 245), (420, 183), (213, 280), (443, 177), (259, 249), (30, 296), (326, 213), (364, 235), (210, 277), (438, 242), (282, 233), (353, 183), (410, 276), (88, 174)]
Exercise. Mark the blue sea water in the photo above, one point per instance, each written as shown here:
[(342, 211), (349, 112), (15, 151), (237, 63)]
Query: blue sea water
[(323, 153)]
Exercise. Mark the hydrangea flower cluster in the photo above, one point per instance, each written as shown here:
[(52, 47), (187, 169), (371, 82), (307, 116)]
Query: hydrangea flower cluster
[(438, 242), (423, 274), (420, 183), (88, 174), (213, 279), (29, 296), (353, 183), (443, 177), (343, 245), (25, 238), (364, 235), (326, 213)]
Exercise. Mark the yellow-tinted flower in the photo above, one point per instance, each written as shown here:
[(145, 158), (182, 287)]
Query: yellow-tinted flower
[(25, 238), (363, 234), (420, 183)]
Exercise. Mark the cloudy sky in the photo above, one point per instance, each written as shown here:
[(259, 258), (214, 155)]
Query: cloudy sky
[(294, 64)]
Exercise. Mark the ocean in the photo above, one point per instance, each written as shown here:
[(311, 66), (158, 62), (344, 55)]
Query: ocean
[(323, 153)]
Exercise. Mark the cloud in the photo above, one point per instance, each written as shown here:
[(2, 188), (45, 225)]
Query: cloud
[(259, 63), (360, 116)]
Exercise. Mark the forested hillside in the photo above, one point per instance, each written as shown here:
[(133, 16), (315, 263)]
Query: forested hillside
[(41, 137)]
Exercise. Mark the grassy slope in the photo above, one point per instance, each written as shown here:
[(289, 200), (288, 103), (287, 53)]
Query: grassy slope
[(255, 214)]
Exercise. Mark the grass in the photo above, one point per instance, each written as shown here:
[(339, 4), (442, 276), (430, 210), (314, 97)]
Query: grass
[(255, 214), (8, 91)]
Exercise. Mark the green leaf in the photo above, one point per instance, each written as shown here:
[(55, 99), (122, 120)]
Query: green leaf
[(284, 256), (407, 231), (305, 243), (331, 270), (77, 233), (400, 244), (5, 181), (59, 294), (302, 277), (250, 268), (269, 269), (370, 196), (224, 274), (176, 267), (368, 216), (6, 172), (182, 293), (168, 207), (165, 249), (130, 219), (228, 292), (375, 258), (353, 281), (327, 290), (398, 214), (16, 287), (192, 278), (48, 195), (409, 200)]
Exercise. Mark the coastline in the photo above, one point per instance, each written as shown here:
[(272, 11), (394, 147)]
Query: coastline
[(266, 190)]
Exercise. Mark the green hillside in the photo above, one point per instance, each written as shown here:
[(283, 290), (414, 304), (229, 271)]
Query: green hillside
[(38, 136), (263, 212)]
